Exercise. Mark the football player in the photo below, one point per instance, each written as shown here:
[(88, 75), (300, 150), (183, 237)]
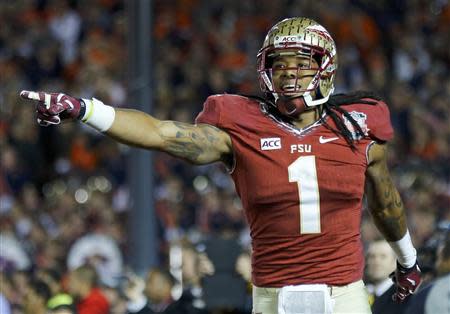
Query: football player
[(301, 158)]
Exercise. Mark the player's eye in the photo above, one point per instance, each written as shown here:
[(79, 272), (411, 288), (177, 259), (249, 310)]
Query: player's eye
[(279, 65)]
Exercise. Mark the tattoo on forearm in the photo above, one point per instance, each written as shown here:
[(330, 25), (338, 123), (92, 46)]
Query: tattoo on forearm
[(387, 206), (191, 141)]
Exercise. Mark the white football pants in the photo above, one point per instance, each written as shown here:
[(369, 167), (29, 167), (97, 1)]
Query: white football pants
[(352, 298)]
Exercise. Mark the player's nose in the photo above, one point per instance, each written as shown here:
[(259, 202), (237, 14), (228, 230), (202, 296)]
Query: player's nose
[(290, 73)]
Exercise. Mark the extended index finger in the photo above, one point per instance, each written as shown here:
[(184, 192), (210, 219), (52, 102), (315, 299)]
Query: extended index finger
[(39, 96)]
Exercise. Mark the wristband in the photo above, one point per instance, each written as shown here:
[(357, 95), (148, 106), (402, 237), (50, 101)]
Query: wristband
[(82, 109), (406, 253), (98, 115)]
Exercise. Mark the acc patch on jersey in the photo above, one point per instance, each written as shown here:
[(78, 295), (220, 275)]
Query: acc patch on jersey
[(360, 118), (270, 143)]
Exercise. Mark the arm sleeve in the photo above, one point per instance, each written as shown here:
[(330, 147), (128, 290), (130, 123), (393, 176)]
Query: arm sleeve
[(380, 127), (210, 113)]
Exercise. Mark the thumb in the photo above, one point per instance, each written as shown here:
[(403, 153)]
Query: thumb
[(46, 120)]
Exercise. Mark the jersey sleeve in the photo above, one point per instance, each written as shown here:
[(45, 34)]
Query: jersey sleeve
[(210, 113), (379, 122)]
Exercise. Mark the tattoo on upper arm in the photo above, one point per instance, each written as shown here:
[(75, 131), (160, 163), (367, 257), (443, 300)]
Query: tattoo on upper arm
[(191, 142)]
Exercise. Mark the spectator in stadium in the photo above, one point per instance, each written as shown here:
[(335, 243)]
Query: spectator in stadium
[(195, 265), (53, 279), (158, 288), (152, 296), (83, 287), (285, 149), (380, 263), (133, 289), (155, 295), (223, 238)]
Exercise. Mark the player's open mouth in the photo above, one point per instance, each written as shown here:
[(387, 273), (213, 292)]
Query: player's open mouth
[(290, 88)]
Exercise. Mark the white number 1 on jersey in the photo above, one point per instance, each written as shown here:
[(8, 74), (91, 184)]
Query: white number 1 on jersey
[(303, 171)]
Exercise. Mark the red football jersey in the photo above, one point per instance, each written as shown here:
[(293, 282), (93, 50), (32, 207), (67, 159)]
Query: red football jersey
[(302, 189)]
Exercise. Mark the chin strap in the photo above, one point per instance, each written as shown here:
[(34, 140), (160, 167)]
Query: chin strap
[(314, 84), (310, 102), (292, 107)]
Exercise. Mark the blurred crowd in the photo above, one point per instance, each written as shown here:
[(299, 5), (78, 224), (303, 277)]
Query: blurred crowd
[(64, 197)]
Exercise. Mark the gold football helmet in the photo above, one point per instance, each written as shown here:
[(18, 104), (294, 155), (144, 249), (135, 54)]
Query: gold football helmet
[(304, 37)]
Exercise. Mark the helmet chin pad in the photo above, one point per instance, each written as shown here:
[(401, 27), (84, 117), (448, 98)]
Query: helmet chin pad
[(291, 107)]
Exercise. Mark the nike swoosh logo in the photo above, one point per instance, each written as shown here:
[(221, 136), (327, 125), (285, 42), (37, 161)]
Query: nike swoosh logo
[(323, 140)]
